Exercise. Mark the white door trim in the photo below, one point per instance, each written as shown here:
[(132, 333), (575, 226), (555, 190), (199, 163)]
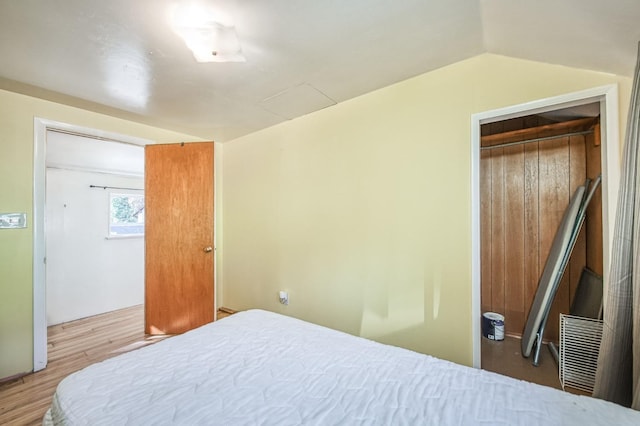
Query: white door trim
[(607, 96), (40, 128)]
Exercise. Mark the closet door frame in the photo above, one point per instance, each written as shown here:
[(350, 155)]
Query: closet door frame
[(607, 97)]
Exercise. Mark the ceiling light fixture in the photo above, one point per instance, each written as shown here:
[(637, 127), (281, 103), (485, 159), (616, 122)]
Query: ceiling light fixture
[(208, 33)]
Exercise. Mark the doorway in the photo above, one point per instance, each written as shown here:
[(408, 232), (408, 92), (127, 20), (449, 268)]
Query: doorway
[(41, 128), (94, 219), (529, 168), (607, 99)]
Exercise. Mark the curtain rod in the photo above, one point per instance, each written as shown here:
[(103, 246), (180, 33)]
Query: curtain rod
[(115, 187), (503, 145)]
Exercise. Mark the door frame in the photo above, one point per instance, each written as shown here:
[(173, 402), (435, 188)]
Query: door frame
[(40, 128), (607, 96)]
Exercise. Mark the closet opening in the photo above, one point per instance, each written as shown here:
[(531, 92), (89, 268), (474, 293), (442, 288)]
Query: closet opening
[(529, 167)]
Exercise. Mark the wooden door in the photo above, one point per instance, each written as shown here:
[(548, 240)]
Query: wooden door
[(179, 257)]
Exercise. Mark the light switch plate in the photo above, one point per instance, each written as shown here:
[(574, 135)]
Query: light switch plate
[(13, 220)]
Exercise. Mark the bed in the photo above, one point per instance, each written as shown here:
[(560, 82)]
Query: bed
[(261, 368)]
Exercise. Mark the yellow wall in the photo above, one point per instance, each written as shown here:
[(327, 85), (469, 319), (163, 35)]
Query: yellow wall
[(362, 210), (16, 182)]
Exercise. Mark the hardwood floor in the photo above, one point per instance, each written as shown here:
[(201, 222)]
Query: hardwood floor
[(71, 347), (504, 357)]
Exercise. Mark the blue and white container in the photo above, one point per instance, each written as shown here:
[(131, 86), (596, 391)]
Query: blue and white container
[(493, 326)]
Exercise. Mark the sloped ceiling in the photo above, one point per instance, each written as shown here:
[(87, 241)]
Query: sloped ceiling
[(120, 57)]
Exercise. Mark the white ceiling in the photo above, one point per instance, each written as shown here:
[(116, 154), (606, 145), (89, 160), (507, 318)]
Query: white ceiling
[(120, 56)]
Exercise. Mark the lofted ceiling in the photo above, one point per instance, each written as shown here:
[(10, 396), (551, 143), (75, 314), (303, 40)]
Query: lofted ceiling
[(120, 57)]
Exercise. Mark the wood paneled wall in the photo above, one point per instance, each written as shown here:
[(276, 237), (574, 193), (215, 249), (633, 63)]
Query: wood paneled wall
[(525, 190), (517, 123), (594, 211)]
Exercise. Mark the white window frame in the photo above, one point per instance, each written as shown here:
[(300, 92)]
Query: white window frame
[(110, 234)]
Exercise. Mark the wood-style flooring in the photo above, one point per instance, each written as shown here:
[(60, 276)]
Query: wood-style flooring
[(73, 346), (505, 357)]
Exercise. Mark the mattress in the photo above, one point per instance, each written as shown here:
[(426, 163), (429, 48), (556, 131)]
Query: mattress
[(261, 368)]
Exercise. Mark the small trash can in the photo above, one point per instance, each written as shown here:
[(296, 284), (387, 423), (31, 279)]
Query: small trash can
[(493, 326)]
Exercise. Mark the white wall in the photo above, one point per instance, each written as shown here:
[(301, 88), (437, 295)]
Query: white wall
[(88, 274), (77, 152)]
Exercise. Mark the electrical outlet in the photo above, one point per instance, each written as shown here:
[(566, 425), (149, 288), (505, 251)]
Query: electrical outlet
[(284, 297)]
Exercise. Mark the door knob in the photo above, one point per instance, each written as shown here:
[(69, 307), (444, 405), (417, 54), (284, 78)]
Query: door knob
[(208, 249)]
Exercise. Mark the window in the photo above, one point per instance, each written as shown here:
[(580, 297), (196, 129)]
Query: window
[(126, 215)]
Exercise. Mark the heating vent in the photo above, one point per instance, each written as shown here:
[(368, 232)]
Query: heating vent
[(579, 345)]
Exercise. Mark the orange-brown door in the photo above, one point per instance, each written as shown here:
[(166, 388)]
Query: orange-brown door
[(179, 257)]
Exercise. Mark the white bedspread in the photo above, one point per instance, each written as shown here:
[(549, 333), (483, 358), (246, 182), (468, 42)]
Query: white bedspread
[(261, 368)]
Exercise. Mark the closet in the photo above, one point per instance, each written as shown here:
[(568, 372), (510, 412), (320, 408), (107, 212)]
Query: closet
[(529, 168)]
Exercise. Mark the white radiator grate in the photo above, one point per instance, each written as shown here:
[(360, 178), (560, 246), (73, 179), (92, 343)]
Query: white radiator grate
[(579, 345)]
